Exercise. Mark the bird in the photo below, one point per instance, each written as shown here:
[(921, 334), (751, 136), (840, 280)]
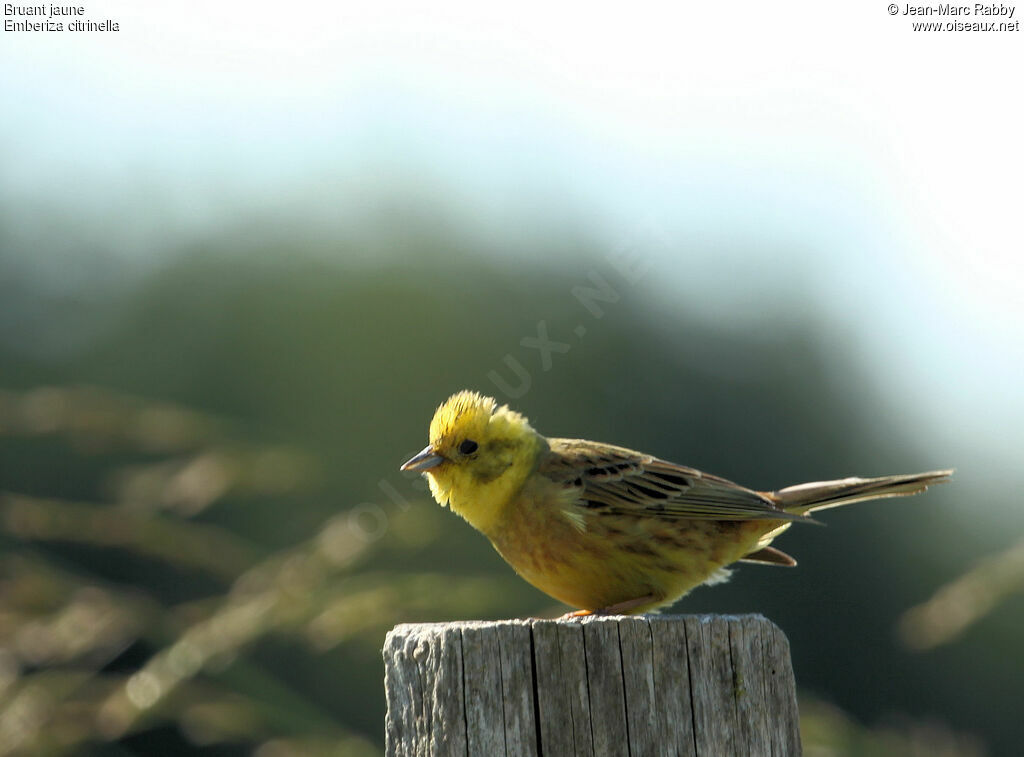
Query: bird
[(606, 529)]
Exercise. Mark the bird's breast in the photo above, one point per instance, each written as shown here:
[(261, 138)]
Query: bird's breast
[(606, 559)]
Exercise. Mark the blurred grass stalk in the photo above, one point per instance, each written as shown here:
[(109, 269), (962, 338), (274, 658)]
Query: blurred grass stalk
[(964, 601), (61, 628), (827, 731)]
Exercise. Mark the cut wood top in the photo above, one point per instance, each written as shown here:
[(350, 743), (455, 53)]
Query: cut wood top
[(703, 685)]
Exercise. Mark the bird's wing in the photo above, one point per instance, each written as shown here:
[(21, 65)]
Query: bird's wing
[(623, 482)]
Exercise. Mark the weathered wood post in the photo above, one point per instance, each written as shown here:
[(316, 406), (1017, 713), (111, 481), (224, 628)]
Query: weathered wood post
[(708, 686)]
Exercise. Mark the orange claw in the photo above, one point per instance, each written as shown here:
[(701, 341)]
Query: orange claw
[(576, 614)]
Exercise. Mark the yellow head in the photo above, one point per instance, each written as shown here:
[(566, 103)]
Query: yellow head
[(479, 455)]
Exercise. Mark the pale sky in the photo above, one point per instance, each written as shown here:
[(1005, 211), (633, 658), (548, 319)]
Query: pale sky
[(881, 164)]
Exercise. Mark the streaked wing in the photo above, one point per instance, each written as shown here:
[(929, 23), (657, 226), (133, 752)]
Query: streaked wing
[(621, 481)]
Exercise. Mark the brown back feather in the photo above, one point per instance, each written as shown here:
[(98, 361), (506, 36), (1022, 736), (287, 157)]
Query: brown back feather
[(621, 481)]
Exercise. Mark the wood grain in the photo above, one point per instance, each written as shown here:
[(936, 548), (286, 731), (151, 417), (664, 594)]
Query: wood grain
[(622, 685)]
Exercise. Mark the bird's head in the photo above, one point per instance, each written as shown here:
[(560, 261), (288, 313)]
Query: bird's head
[(479, 455)]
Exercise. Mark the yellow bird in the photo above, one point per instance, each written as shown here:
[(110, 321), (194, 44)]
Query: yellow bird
[(606, 529)]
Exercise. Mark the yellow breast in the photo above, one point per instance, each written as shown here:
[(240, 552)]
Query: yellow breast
[(603, 560)]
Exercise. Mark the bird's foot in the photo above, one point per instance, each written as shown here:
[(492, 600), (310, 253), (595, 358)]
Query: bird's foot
[(578, 614), (616, 609)]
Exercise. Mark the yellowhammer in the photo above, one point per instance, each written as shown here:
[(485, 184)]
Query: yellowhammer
[(607, 529)]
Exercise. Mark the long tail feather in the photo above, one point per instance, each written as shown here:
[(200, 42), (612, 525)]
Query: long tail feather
[(820, 495)]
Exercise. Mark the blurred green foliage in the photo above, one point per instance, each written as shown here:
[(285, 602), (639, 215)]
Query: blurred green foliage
[(205, 536)]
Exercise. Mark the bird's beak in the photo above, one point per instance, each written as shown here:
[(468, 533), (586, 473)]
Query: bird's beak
[(424, 461)]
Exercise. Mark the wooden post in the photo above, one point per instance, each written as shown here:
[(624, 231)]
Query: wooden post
[(702, 685)]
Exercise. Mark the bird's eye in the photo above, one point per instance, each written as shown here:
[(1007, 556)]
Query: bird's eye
[(468, 447)]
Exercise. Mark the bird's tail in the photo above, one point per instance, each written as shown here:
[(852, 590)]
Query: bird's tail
[(820, 495)]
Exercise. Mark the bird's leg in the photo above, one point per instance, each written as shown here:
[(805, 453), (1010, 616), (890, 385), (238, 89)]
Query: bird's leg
[(577, 614), (615, 609)]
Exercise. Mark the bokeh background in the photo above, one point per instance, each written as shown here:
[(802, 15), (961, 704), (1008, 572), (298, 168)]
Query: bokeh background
[(246, 249)]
